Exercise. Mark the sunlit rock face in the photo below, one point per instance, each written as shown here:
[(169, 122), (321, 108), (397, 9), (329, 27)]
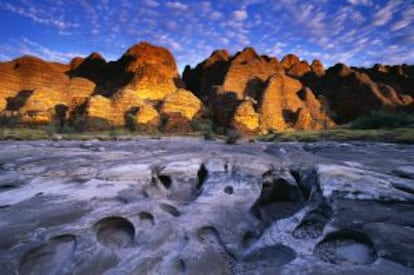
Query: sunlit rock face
[(183, 205), (108, 91), (246, 119), (182, 102), (273, 96), (33, 88), (38, 92)]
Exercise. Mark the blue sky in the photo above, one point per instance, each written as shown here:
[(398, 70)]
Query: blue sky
[(357, 32)]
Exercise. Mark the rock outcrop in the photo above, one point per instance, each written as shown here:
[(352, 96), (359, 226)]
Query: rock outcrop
[(148, 118), (249, 92), (107, 91), (246, 119), (352, 93), (180, 205), (182, 102), (259, 87)]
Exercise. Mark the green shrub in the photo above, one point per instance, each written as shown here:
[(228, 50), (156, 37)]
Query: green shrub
[(209, 135), (380, 119), (202, 125)]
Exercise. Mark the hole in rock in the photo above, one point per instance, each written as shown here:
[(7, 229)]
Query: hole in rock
[(115, 232), (228, 190), (49, 258), (313, 224), (180, 266), (278, 200), (278, 254), (209, 235), (249, 238), (147, 218), (346, 247), (165, 180), (202, 176), (170, 209)]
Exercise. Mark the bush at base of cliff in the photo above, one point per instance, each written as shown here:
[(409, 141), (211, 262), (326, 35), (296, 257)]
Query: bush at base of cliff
[(98, 124), (11, 121), (380, 119)]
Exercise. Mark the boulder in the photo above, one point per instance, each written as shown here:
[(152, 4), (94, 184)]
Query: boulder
[(317, 67), (289, 60), (297, 70), (248, 73), (207, 74), (352, 93), (41, 106), (182, 102), (100, 108), (147, 118), (271, 109), (245, 119)]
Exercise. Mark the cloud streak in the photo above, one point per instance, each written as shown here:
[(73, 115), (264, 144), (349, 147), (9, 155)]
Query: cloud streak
[(359, 32)]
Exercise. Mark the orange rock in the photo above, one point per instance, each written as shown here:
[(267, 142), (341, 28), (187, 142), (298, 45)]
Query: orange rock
[(317, 67), (245, 119), (3, 104), (182, 102), (40, 106), (271, 109), (100, 107), (299, 69), (148, 116), (248, 73), (151, 83), (305, 121), (289, 60)]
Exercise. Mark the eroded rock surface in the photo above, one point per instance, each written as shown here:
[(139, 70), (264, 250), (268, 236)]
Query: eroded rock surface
[(186, 206)]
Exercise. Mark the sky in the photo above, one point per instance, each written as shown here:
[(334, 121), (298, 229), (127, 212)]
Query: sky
[(356, 32)]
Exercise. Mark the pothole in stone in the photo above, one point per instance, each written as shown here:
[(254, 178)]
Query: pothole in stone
[(202, 175), (278, 255), (170, 209), (165, 181), (313, 224), (50, 258), (278, 200), (228, 190), (146, 218), (115, 232), (346, 247)]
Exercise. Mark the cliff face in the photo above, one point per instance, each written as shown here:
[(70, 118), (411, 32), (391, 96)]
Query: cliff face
[(249, 92), (256, 93), (100, 91)]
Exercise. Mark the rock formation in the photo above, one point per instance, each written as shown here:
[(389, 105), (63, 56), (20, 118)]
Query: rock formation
[(182, 102), (104, 91), (185, 206), (257, 85), (246, 91), (352, 93)]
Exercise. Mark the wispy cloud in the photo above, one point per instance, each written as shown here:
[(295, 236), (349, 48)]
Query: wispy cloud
[(352, 31)]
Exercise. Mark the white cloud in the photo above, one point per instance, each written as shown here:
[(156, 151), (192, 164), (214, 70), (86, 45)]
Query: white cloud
[(240, 15), (215, 15), (360, 2), (38, 15), (151, 3), (177, 6), (384, 15)]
